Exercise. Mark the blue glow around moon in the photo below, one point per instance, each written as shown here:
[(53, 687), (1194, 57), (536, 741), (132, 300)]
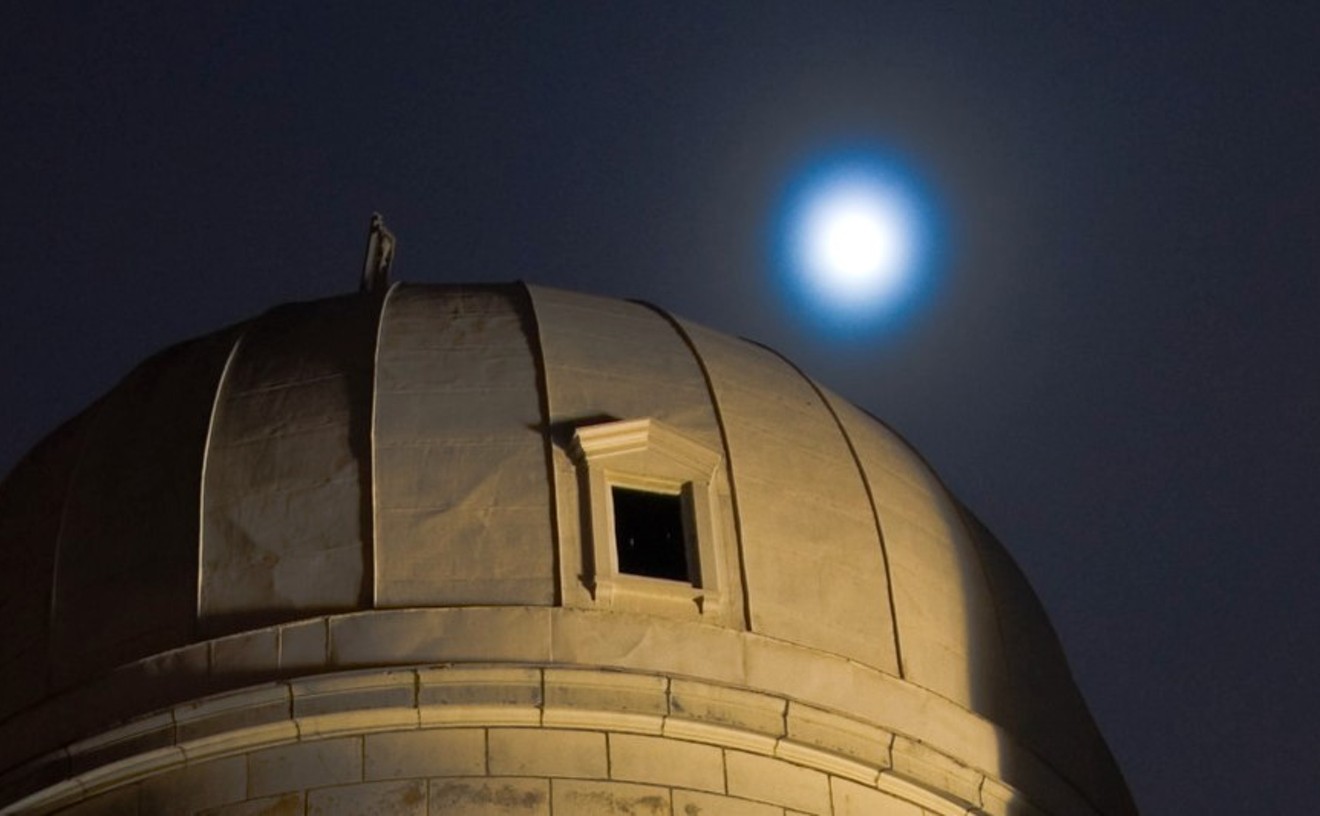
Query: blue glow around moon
[(855, 241)]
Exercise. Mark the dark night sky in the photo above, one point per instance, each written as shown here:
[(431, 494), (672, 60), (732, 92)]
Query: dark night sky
[(1118, 373)]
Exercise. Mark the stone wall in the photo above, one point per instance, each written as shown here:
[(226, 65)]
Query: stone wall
[(514, 739), (533, 771)]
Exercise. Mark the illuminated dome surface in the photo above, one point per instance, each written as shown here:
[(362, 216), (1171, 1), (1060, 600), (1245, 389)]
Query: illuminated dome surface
[(371, 516)]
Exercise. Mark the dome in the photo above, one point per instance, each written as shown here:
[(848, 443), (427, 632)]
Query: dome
[(373, 495)]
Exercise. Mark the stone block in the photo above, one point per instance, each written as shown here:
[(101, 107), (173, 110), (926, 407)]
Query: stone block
[(118, 802), (662, 761), (730, 707), (288, 804), (490, 797), (546, 752), (770, 780), (248, 654), (496, 696), (252, 738), (196, 787), (606, 691), (591, 798), (402, 798), (228, 712), (838, 734), (149, 684), (357, 722), (852, 799), (303, 646), (930, 800), (792, 671), (155, 764), (479, 687), (353, 691), (924, 765), (136, 737), (646, 643), (830, 763), (474, 634), (711, 734), (998, 799), (905, 708), (692, 803), (588, 719), (602, 700), (305, 765), (428, 752)]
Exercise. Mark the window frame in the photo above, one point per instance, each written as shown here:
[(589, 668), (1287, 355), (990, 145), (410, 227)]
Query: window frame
[(646, 455)]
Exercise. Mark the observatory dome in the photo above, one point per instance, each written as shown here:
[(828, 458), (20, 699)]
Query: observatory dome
[(449, 548)]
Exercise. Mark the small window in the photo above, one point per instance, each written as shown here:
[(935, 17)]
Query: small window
[(649, 535)]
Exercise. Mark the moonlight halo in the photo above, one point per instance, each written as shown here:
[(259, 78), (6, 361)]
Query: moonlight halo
[(853, 240)]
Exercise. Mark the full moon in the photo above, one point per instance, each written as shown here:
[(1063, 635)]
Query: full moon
[(853, 240), (856, 239)]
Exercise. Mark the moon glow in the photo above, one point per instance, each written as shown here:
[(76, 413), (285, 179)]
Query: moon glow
[(853, 240)]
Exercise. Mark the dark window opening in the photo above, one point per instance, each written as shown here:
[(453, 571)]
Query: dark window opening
[(648, 533)]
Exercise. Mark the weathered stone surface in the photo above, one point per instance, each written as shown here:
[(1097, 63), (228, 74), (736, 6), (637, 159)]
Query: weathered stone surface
[(440, 635), (286, 804), (137, 737), (305, 765), (711, 734), (428, 752), (282, 514), (723, 705), (830, 763), (843, 735), (226, 712), (385, 483), (196, 787), (606, 691), (811, 548), (246, 653), (922, 764), (303, 645), (769, 780), (945, 614), (404, 798), (693, 803), (120, 802), (462, 497), (463, 686), (506, 796), (353, 691), (547, 752), (852, 799), (998, 799), (646, 643), (480, 696), (666, 762), (592, 798)]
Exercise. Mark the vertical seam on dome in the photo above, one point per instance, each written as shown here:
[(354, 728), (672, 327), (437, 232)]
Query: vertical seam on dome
[(977, 553), (728, 455), (220, 384), (74, 468), (547, 444), (870, 500), (370, 582)]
